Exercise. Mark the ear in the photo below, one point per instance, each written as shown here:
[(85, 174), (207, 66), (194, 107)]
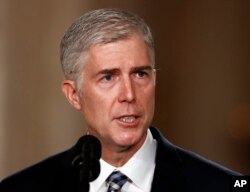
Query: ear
[(71, 93)]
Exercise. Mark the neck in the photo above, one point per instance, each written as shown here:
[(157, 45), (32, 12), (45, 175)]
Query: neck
[(116, 159), (118, 156)]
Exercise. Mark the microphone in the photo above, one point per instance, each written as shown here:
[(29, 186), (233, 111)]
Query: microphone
[(88, 161)]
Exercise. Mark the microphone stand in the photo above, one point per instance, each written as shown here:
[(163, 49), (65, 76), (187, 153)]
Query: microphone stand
[(84, 180)]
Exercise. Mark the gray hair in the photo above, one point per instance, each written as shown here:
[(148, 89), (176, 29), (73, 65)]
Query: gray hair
[(99, 27)]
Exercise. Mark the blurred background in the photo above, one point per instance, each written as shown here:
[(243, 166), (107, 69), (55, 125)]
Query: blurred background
[(203, 82)]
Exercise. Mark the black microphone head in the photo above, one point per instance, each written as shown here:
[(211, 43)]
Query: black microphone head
[(88, 159), (92, 146)]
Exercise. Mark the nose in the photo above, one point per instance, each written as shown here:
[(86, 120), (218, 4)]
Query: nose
[(127, 91)]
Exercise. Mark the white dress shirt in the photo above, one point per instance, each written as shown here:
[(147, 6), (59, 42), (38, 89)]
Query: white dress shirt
[(139, 169)]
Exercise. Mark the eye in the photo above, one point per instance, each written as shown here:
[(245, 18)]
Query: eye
[(107, 77), (140, 74)]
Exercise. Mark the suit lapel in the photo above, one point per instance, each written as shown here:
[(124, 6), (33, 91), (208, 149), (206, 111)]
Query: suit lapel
[(167, 175)]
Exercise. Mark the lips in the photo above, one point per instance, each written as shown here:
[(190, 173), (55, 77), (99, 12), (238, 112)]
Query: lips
[(128, 120)]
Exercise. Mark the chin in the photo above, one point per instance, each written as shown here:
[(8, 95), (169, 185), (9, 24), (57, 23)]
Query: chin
[(128, 140)]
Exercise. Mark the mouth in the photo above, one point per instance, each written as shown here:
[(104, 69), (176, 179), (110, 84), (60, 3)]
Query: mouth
[(128, 120)]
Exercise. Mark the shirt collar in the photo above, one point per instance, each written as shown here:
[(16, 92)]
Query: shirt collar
[(136, 168)]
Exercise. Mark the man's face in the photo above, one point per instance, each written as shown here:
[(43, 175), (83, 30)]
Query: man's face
[(118, 89)]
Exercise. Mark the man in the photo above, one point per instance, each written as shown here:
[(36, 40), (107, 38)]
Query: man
[(108, 60)]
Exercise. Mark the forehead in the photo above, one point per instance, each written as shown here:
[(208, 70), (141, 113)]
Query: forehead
[(132, 50)]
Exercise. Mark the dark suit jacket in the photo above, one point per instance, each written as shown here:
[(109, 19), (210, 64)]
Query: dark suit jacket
[(176, 170)]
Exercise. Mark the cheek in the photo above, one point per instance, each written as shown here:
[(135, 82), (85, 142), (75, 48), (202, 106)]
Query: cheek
[(92, 107), (147, 95), (96, 106), (148, 102)]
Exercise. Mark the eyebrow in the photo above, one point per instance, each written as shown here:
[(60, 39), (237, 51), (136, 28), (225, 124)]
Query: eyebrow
[(108, 71), (141, 68), (116, 70)]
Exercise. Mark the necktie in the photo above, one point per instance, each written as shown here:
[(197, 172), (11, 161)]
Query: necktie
[(115, 181)]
